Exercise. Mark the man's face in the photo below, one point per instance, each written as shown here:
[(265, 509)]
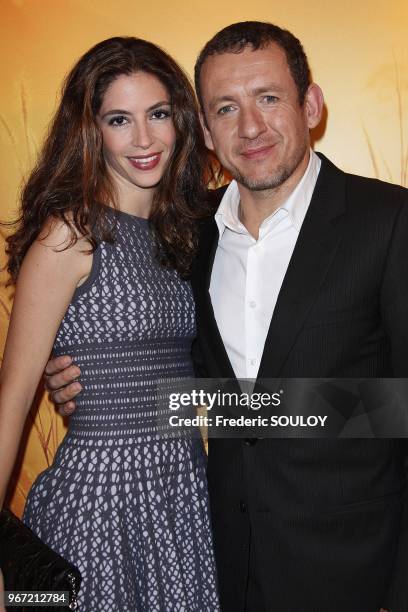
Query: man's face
[(253, 119)]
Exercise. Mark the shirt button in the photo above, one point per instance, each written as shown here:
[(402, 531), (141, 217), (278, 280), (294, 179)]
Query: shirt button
[(252, 361), (252, 304)]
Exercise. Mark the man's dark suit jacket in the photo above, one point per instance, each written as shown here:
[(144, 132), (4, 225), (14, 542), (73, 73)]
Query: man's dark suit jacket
[(318, 525)]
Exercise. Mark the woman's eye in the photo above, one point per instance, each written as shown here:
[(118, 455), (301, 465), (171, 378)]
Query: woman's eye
[(118, 121), (160, 113)]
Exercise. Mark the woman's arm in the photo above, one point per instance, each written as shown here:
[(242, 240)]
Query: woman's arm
[(45, 286)]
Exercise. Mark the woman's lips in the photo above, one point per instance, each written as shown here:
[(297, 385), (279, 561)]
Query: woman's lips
[(146, 162)]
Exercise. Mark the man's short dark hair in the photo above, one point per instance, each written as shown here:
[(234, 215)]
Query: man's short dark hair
[(258, 35)]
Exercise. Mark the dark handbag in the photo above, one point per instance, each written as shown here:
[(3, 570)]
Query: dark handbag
[(30, 565)]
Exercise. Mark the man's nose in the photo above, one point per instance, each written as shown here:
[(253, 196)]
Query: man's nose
[(251, 122), (142, 135)]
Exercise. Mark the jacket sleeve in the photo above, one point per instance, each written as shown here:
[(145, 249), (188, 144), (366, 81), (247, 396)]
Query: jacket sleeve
[(199, 366), (394, 291), (394, 312)]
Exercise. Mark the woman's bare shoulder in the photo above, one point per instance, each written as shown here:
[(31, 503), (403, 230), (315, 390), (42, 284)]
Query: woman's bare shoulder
[(60, 247), (59, 234)]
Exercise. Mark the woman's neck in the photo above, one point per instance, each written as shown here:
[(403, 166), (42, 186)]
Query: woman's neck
[(132, 199)]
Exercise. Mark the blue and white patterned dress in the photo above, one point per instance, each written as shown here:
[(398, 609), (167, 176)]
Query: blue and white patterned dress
[(126, 506)]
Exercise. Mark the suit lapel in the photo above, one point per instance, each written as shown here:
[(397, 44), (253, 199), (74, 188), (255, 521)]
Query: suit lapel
[(313, 254)]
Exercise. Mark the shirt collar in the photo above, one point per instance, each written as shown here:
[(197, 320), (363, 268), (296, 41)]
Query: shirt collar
[(296, 205)]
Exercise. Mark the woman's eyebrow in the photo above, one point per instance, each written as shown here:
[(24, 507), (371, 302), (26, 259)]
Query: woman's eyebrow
[(158, 104), (119, 111), (116, 111)]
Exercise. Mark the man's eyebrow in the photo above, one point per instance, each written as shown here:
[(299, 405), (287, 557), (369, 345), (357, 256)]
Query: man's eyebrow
[(266, 88), (253, 92), (215, 101)]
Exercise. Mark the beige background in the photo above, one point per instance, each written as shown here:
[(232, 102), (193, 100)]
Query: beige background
[(358, 52)]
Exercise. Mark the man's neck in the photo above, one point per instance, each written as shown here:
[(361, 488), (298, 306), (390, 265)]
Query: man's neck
[(256, 206)]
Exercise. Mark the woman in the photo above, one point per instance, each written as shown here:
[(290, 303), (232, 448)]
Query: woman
[(105, 236)]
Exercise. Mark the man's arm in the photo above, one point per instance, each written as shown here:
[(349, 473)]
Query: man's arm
[(394, 291), (199, 366), (60, 379), (394, 312)]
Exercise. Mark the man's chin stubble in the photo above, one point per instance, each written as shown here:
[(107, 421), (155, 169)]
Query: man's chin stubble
[(273, 181)]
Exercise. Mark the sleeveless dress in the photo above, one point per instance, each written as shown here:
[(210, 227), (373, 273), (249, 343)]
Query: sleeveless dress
[(127, 506)]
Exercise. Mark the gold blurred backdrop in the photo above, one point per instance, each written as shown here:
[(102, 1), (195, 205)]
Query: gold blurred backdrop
[(358, 52)]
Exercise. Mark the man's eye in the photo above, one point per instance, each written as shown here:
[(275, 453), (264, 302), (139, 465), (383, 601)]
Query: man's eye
[(270, 99), (224, 110), (118, 121), (160, 113)]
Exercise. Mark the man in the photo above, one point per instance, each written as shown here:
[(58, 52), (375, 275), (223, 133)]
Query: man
[(303, 273)]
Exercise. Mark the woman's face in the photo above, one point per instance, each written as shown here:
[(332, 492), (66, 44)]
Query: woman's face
[(137, 129)]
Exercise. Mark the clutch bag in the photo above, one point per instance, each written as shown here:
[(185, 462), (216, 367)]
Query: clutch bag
[(28, 564)]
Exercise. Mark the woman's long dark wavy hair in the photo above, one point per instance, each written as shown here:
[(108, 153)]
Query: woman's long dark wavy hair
[(70, 180)]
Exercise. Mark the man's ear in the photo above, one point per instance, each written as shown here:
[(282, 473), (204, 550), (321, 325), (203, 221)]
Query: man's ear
[(207, 135), (313, 105)]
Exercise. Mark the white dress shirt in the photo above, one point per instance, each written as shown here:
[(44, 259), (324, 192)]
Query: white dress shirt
[(247, 274)]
